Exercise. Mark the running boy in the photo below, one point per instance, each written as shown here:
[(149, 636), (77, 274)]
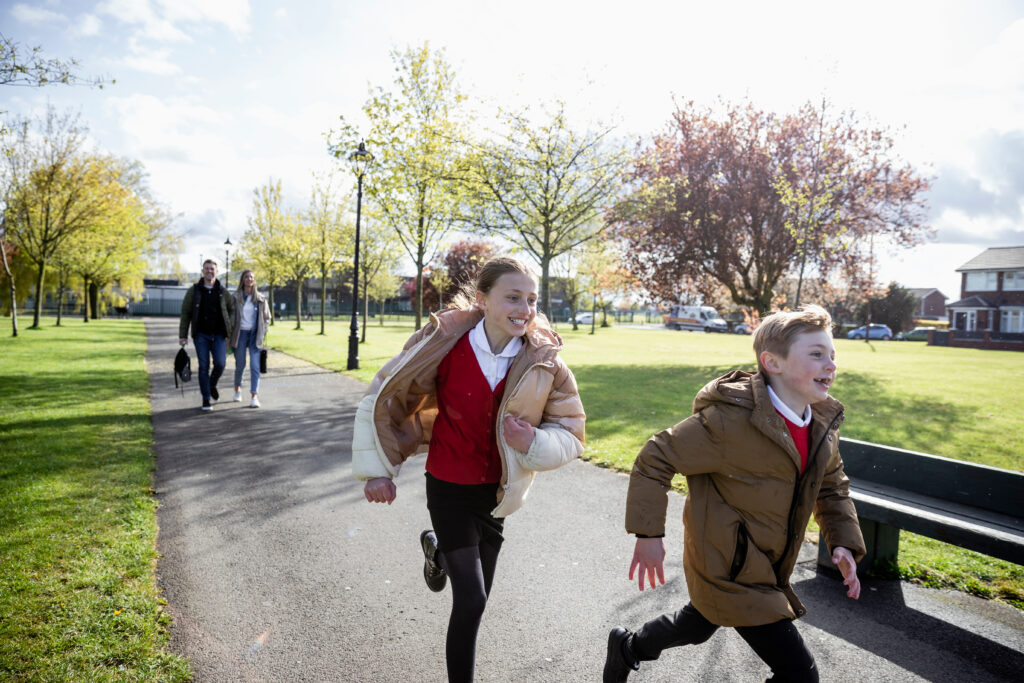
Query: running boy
[(760, 454)]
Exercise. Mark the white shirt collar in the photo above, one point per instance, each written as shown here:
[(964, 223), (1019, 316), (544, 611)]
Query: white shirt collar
[(787, 412), (478, 338)]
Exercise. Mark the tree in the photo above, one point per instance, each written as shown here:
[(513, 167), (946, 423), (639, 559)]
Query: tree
[(378, 258), (295, 247), (26, 66), (462, 263), (545, 187), (260, 245), (895, 308), (54, 190), (602, 276), (411, 132), (704, 212), (333, 236)]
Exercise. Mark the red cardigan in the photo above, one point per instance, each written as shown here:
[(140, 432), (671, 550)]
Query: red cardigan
[(463, 445)]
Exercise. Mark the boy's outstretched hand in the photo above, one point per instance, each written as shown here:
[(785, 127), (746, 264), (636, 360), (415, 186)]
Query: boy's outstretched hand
[(843, 558), (649, 555)]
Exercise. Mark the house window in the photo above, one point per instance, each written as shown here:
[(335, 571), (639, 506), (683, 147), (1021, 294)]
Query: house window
[(1012, 321), (1013, 281), (981, 281)]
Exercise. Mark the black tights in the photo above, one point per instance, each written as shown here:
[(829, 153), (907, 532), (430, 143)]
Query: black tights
[(779, 644), (471, 571)]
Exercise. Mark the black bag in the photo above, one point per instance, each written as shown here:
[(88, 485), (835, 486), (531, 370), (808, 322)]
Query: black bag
[(263, 360), (182, 367)]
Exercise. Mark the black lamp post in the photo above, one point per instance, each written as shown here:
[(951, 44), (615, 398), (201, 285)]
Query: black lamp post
[(361, 159), (227, 263)]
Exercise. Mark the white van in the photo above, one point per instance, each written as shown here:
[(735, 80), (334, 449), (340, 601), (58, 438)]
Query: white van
[(695, 318)]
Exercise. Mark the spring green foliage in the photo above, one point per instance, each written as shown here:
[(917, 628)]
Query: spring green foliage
[(78, 597), (411, 131)]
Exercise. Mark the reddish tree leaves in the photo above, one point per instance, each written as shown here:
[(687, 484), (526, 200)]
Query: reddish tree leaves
[(705, 212)]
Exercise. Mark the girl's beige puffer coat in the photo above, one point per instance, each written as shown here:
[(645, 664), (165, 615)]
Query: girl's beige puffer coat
[(395, 418)]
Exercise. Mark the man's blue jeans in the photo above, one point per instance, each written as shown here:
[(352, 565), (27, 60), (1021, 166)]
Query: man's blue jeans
[(207, 344)]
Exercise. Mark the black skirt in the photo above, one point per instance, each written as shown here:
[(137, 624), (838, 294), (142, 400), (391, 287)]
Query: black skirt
[(461, 514)]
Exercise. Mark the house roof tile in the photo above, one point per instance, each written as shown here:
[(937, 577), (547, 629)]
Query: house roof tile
[(996, 258)]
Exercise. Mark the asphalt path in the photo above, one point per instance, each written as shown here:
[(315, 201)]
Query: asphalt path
[(275, 568)]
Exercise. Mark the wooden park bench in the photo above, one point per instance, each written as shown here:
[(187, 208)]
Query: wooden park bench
[(973, 506)]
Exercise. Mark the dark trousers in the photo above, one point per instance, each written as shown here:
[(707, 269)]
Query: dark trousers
[(779, 644), (208, 345)]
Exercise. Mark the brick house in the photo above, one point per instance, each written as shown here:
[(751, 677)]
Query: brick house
[(991, 304), (931, 303)]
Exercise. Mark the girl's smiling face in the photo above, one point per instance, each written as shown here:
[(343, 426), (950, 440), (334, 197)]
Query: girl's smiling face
[(509, 308)]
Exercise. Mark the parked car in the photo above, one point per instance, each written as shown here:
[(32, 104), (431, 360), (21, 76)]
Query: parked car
[(585, 318), (916, 334), (742, 328), (878, 331)]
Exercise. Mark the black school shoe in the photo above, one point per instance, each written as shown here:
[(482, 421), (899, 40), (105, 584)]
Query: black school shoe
[(618, 663), (214, 394), (435, 576)]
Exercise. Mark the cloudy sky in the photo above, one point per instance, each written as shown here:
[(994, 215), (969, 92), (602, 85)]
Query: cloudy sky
[(217, 96)]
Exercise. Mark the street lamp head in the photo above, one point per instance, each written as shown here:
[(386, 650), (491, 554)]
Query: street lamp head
[(361, 159), (227, 242)]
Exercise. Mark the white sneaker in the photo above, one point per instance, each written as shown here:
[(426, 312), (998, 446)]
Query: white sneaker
[(238, 396), (254, 403)]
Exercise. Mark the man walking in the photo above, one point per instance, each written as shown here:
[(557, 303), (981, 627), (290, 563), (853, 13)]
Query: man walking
[(209, 311)]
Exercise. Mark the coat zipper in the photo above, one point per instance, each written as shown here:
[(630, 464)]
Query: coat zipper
[(796, 496)]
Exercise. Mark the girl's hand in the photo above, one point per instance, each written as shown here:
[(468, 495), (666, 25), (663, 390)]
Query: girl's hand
[(843, 558), (380, 490), (518, 433)]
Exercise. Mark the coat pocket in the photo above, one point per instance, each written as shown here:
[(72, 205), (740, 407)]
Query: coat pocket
[(739, 557)]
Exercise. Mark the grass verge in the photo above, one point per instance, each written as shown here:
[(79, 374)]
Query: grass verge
[(78, 596), (947, 401)]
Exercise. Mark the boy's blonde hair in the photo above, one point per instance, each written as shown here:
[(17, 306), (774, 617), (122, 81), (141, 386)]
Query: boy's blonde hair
[(777, 332)]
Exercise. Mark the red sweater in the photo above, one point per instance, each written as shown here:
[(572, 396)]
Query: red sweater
[(463, 444), (801, 438)]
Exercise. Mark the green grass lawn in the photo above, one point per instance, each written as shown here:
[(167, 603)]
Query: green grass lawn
[(78, 597), (958, 403)]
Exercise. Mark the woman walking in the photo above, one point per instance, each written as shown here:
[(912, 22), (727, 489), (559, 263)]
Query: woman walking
[(248, 330), (482, 385)]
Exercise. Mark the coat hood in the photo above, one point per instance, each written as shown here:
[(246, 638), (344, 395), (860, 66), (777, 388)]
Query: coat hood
[(749, 390)]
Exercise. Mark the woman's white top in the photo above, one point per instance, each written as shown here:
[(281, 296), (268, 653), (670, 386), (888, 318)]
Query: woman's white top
[(248, 313)]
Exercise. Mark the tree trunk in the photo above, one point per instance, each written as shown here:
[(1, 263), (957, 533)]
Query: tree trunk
[(323, 296), (14, 297), (94, 299), (298, 304), (85, 299), (38, 312), (366, 312), (545, 290), (270, 300), (60, 300)]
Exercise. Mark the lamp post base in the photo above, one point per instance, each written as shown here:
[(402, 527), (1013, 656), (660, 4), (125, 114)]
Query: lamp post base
[(353, 351)]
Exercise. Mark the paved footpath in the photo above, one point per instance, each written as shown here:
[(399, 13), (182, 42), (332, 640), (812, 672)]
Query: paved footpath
[(276, 569)]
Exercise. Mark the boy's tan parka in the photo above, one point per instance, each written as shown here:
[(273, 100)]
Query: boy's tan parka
[(748, 503)]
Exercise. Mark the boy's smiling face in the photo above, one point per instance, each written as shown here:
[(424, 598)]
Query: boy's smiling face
[(807, 372)]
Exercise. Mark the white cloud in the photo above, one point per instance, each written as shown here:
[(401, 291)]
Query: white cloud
[(87, 25), (36, 15), (233, 14), (140, 12), (167, 20), (153, 62)]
